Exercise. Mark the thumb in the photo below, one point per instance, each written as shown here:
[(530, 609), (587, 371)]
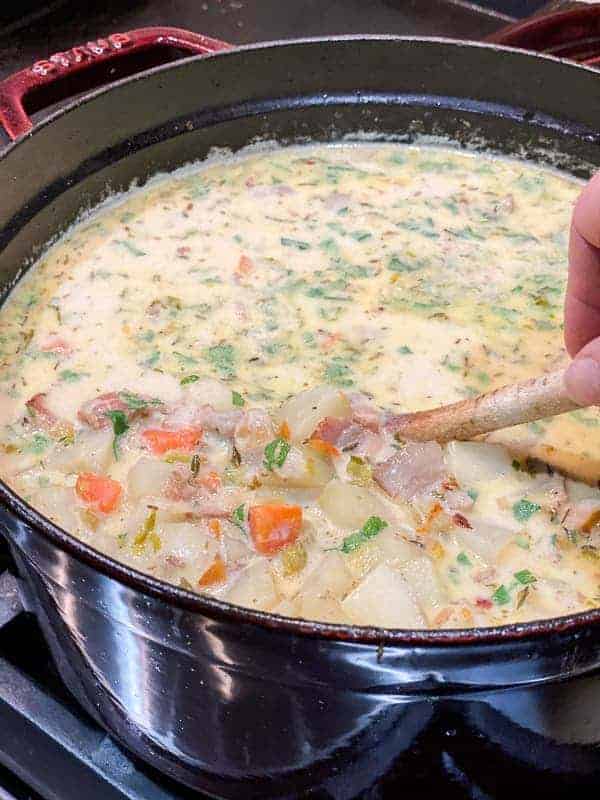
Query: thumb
[(582, 378)]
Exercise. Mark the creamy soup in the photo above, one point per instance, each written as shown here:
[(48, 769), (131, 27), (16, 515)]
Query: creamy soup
[(201, 378)]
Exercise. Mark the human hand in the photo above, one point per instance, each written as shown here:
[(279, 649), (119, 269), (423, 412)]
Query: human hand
[(582, 303)]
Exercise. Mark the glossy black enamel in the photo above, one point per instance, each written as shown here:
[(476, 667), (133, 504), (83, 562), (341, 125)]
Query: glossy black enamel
[(243, 704)]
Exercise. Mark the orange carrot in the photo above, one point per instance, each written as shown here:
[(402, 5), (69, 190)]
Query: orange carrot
[(324, 447), (214, 526), (273, 526), (216, 573), (98, 491), (284, 431), (161, 440), (210, 481), (245, 266)]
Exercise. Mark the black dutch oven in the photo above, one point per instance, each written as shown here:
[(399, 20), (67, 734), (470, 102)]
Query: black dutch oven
[(243, 704)]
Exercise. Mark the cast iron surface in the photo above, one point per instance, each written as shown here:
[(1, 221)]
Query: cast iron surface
[(242, 704)]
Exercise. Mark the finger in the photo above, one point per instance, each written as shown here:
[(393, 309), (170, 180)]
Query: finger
[(582, 378), (582, 304)]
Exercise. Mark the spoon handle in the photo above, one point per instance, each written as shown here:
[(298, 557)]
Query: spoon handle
[(528, 401)]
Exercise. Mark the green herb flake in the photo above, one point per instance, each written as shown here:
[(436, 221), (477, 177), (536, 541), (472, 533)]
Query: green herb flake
[(525, 577), (39, 442), (138, 403), (69, 376), (473, 494), (404, 350), (524, 509), (135, 251), (464, 559), (522, 542), (371, 528), (276, 453), (501, 596), (120, 426), (189, 379), (297, 244), (238, 517), (222, 357), (237, 399), (338, 372)]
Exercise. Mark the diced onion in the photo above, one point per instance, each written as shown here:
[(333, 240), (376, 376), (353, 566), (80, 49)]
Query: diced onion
[(304, 411), (384, 598), (471, 462)]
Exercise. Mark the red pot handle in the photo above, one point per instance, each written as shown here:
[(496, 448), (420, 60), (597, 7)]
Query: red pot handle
[(112, 48), (572, 33)]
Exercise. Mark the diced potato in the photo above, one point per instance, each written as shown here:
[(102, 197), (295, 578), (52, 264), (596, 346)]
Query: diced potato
[(323, 609), (59, 504), (147, 477), (254, 587), (388, 547), (303, 468), (186, 549), (287, 608), (581, 491), (350, 506), (237, 549), (385, 599), (473, 462), (210, 392), (330, 577), (90, 452), (304, 411), (485, 539), (421, 576)]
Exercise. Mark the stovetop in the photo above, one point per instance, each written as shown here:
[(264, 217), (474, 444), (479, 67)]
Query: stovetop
[(49, 748)]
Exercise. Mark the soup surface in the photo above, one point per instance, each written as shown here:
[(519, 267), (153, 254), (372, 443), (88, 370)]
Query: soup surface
[(201, 380)]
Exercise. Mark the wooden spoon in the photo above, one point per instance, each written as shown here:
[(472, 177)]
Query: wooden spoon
[(510, 405)]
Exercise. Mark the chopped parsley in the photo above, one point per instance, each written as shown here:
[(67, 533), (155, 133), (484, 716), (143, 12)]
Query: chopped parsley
[(464, 559), (39, 442), (120, 426), (237, 399), (238, 518), (222, 358), (295, 243), (501, 596), (524, 509), (525, 577), (135, 251), (276, 453), (371, 528), (404, 350), (70, 376), (189, 379), (138, 403), (338, 372)]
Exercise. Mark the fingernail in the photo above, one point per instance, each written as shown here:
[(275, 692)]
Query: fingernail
[(582, 381)]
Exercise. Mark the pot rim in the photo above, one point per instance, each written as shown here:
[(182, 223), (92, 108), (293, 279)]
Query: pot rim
[(218, 609)]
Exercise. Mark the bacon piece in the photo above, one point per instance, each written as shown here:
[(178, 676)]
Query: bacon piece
[(365, 412), (341, 432), (56, 344), (415, 470), (93, 412), (460, 521), (40, 412)]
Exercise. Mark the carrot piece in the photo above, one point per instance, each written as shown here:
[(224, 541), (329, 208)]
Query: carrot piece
[(216, 573), (273, 526), (284, 431), (161, 440), (324, 447), (98, 491), (244, 266), (210, 481), (214, 526)]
